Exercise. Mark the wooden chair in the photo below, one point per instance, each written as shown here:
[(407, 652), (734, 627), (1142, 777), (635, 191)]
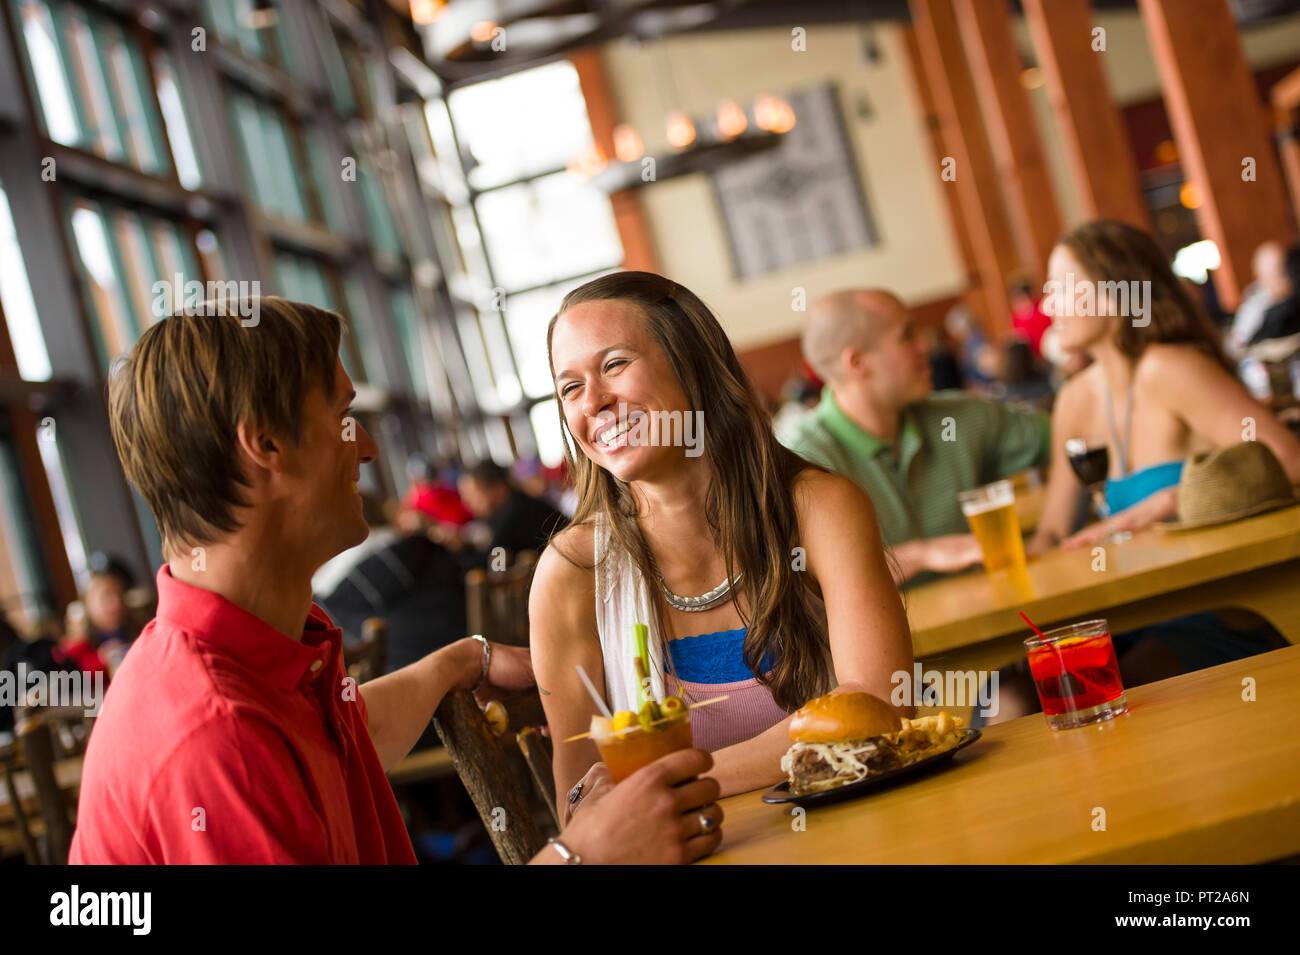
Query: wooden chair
[(21, 838), (366, 660), (496, 601), (47, 839), (473, 739)]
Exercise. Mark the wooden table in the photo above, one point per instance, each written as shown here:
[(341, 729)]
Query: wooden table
[(970, 622), (432, 762), (1192, 774)]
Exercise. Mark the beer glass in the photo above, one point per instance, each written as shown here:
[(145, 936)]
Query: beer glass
[(991, 513)]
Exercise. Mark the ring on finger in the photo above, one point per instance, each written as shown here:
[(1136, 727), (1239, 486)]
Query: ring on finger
[(707, 824)]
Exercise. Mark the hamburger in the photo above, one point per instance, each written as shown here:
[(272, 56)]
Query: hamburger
[(841, 738)]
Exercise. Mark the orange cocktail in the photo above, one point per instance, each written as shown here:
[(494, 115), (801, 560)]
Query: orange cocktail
[(627, 751)]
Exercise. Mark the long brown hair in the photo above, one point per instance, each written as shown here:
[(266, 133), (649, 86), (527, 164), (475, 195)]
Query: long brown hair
[(1113, 251), (749, 507)]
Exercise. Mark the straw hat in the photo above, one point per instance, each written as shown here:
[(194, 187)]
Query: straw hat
[(1230, 483)]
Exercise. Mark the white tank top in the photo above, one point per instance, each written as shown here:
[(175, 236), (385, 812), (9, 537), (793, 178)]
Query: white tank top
[(622, 599)]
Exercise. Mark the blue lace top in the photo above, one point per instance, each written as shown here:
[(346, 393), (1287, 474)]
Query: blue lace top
[(713, 657)]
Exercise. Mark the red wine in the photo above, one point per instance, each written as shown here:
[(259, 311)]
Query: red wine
[(1092, 465)]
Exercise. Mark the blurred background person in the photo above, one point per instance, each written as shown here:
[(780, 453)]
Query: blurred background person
[(799, 397), (1022, 379), (1282, 319), (1159, 388), (880, 424), (432, 496), (101, 626), (515, 521), (975, 356), (1271, 286), (1028, 320), (945, 369)]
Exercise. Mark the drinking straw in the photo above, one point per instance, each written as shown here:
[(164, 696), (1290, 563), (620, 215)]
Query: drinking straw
[(600, 703), (642, 634), (1031, 625), (1079, 676)]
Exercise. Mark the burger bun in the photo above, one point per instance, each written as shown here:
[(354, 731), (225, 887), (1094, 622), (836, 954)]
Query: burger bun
[(840, 717)]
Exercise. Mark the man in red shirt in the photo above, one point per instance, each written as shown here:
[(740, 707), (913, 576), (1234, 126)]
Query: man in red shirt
[(231, 733)]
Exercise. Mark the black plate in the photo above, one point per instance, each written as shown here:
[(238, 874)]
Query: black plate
[(780, 793)]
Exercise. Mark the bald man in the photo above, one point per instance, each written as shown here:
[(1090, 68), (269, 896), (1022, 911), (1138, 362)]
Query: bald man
[(880, 424)]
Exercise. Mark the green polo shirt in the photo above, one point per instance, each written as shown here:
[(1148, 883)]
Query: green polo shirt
[(948, 442)]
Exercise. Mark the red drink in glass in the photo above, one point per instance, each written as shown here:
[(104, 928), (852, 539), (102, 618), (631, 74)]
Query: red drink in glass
[(1077, 676)]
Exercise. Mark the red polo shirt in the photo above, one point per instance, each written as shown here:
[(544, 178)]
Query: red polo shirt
[(223, 741)]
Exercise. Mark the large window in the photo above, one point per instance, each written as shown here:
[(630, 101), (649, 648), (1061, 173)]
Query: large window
[(306, 279), (257, 33), (527, 230), (177, 166), (93, 83), (25, 591), (272, 163), (16, 299), (124, 256)]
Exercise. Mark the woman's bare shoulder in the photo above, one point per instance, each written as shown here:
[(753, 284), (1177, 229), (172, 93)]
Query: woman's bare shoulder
[(809, 483), (578, 542), (1163, 362), (569, 558), (562, 594), (819, 493), (1076, 396)]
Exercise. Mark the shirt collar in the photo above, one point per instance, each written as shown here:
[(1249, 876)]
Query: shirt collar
[(863, 443), (234, 632)]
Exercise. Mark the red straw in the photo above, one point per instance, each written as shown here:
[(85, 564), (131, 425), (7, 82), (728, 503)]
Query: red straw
[(1079, 676), (1031, 625)]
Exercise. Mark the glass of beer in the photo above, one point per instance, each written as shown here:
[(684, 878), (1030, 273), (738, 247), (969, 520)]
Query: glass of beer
[(991, 513)]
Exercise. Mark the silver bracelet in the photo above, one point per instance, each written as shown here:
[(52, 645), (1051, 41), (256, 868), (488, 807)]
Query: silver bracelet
[(487, 660), (568, 855)]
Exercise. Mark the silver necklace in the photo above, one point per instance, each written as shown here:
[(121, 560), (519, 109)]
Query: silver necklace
[(704, 601)]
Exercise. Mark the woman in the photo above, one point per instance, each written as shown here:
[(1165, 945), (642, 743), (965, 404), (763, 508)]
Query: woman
[(806, 600), (1158, 390)]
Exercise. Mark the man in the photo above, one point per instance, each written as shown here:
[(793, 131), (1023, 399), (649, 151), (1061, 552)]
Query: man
[(516, 521), (911, 450), (231, 733), (1282, 319), (1270, 288)]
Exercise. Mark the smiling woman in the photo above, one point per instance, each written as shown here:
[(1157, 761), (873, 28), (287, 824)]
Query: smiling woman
[(681, 485)]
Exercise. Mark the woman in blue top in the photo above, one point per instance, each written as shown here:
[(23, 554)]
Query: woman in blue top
[(1159, 388)]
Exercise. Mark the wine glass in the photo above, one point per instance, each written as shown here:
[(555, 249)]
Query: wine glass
[(1091, 463)]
